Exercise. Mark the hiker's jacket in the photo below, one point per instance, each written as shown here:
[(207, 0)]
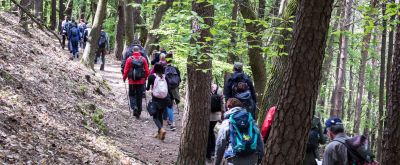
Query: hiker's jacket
[(336, 152), (224, 147), (128, 67), (128, 52), (228, 92)]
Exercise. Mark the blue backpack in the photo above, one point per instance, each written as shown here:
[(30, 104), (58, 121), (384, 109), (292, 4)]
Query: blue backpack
[(243, 133), (74, 32), (102, 40)]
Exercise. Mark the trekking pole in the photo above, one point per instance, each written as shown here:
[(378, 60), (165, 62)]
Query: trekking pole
[(129, 104)]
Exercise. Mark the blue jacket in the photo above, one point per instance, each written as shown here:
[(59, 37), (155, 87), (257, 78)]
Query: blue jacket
[(71, 37)]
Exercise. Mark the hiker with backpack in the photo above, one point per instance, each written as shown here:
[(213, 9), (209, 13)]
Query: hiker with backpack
[(240, 86), (239, 140), (136, 70), (74, 37), (160, 98), (315, 138), (82, 28), (156, 57), (173, 77), (102, 49), (64, 30), (86, 34), (217, 109), (128, 53)]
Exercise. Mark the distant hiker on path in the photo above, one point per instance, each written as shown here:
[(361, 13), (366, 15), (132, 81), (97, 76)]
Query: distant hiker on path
[(64, 30), (74, 38), (160, 98), (217, 108), (315, 138), (137, 70), (239, 140), (240, 86), (82, 28), (173, 77), (128, 52), (103, 48), (156, 57)]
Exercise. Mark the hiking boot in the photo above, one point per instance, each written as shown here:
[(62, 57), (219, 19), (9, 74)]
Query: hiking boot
[(71, 58), (156, 135), (162, 134), (172, 128)]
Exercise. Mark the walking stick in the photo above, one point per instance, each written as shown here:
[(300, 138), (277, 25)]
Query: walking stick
[(129, 103)]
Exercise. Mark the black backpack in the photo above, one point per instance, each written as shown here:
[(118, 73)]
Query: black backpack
[(137, 69), (242, 92), (103, 40), (172, 77), (358, 150), (216, 101)]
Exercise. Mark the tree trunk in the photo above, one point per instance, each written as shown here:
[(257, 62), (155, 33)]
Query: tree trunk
[(27, 4), (160, 12), (361, 77), (53, 15), (82, 10), (129, 28), (381, 85), (120, 30), (39, 9), (391, 146), (300, 85), (261, 9), (232, 56), (68, 10), (195, 131), (94, 35), (338, 94), (61, 9), (350, 109), (255, 51), (366, 131)]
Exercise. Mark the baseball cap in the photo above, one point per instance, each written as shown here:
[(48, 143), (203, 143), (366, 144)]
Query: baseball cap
[(332, 122)]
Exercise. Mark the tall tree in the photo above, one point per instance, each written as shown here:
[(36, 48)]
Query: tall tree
[(338, 92), (364, 57), (120, 30), (255, 51), (69, 8), (53, 15), (160, 12), (129, 28), (195, 132), (232, 57), (39, 9), (94, 35), (300, 86), (82, 9), (391, 146), (61, 9)]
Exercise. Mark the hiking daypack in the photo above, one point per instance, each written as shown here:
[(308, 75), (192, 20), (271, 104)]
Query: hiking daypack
[(359, 153), (216, 101), (137, 69), (243, 134), (266, 127), (160, 87), (74, 32), (103, 40), (172, 77), (314, 136)]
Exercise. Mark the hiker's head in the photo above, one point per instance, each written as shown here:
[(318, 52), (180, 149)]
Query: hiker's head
[(158, 68), (238, 67), (169, 57), (161, 49), (233, 102), (136, 49), (162, 57), (66, 17), (333, 126), (136, 42)]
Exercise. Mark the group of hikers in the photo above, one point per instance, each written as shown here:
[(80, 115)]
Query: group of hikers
[(239, 140), (78, 34)]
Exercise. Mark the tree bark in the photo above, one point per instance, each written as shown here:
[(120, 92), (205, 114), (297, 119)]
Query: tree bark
[(232, 56), (68, 10), (82, 10), (129, 28), (255, 51), (61, 9), (94, 35), (39, 9), (391, 146), (53, 15), (120, 30), (337, 97), (300, 86), (195, 131), (381, 85), (261, 9), (160, 12), (23, 20)]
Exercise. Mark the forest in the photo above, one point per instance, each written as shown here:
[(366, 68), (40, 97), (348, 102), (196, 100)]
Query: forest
[(309, 58)]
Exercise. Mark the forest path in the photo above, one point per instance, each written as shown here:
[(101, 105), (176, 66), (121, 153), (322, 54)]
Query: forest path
[(134, 136)]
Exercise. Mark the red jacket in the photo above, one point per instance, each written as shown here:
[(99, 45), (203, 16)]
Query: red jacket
[(128, 66), (268, 121)]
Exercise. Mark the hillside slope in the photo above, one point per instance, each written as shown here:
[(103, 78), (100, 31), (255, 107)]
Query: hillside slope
[(51, 109)]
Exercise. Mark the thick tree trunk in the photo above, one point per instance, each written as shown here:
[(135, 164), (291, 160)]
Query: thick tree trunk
[(195, 132), (39, 9), (53, 15), (232, 56), (120, 30), (129, 28), (160, 12), (255, 51), (94, 35), (391, 146), (69, 7), (337, 97), (300, 85), (61, 9), (381, 85)]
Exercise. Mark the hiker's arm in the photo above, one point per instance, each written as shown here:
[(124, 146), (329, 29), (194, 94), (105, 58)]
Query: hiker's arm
[(252, 90), (227, 90), (221, 143), (150, 82), (124, 57), (127, 68), (146, 68)]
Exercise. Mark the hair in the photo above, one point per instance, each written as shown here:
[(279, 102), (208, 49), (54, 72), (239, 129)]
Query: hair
[(136, 49), (158, 68), (162, 57), (336, 129), (233, 102)]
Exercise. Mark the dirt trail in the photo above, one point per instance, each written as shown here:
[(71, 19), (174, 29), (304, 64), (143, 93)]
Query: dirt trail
[(134, 136)]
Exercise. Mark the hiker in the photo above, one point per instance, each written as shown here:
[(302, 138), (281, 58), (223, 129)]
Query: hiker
[(156, 57), (173, 76), (217, 108), (335, 152), (239, 140), (240, 86), (266, 127), (74, 37), (160, 98), (82, 28), (102, 50), (64, 30), (129, 50), (162, 61), (137, 70), (86, 34), (315, 138)]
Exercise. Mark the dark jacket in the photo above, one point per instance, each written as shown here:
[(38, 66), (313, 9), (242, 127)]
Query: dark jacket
[(128, 64), (128, 52), (157, 57), (235, 77)]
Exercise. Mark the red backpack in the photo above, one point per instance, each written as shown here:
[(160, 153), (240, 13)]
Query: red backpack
[(265, 129)]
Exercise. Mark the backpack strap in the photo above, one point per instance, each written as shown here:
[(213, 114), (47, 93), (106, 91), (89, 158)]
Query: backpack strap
[(351, 151)]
